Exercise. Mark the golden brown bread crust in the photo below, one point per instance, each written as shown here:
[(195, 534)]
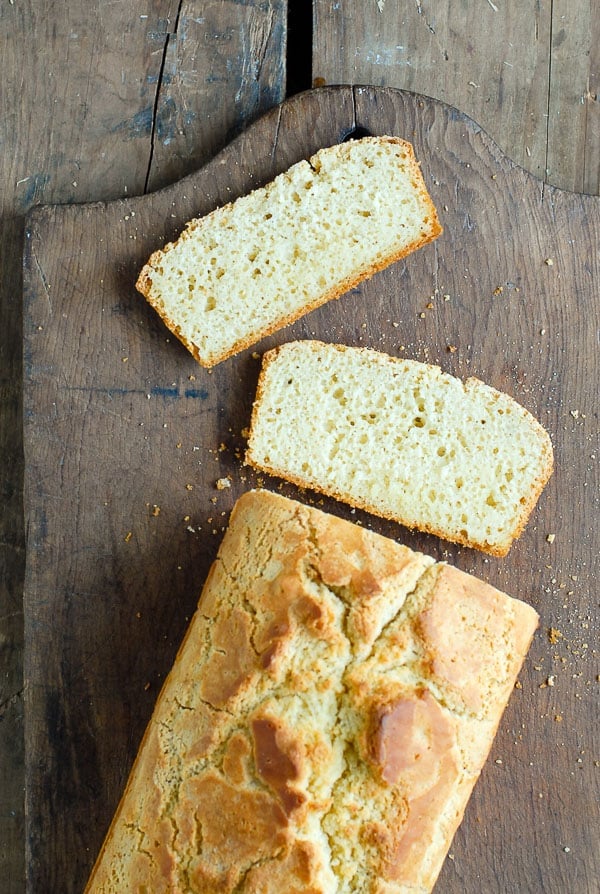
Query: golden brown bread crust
[(144, 283), (325, 720), (528, 501)]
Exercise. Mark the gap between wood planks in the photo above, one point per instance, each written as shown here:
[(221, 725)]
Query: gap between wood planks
[(299, 47), (298, 73)]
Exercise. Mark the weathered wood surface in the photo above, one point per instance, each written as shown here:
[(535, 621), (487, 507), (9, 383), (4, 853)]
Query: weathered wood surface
[(527, 72), (97, 102), (126, 437)]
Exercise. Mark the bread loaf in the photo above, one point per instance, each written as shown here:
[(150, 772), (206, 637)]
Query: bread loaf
[(325, 720), (318, 229), (400, 439)]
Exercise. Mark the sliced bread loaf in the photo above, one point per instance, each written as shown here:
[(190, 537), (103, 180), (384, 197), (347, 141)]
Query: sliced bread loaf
[(401, 439), (257, 264), (325, 721)]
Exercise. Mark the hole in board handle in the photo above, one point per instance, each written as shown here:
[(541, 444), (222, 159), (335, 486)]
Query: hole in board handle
[(355, 133)]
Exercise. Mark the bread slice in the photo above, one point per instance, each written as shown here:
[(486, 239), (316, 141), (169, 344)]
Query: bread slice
[(401, 439), (326, 718), (318, 229)]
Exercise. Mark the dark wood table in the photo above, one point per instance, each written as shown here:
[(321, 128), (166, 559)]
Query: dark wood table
[(110, 102)]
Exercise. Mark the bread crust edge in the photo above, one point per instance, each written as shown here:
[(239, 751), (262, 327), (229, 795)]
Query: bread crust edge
[(499, 551), (208, 360)]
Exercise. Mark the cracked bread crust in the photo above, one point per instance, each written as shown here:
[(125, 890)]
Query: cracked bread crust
[(327, 716)]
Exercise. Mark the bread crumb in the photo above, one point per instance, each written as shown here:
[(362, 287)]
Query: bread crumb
[(549, 262), (223, 483), (554, 635), (128, 536), (551, 538), (451, 348), (558, 718), (192, 378), (189, 487), (155, 511), (498, 290)]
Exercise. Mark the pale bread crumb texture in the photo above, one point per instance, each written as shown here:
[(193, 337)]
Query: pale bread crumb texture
[(326, 718), (255, 265), (401, 439)]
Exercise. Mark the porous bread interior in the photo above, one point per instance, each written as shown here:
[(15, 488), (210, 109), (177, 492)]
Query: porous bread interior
[(401, 439), (327, 672), (255, 264)]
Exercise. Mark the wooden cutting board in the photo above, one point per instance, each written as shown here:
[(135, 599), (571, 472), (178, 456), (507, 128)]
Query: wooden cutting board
[(126, 437)]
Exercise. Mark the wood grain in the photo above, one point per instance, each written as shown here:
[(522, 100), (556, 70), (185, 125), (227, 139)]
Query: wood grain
[(85, 114), (99, 101), (573, 102), (224, 64), (126, 437), (526, 72)]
